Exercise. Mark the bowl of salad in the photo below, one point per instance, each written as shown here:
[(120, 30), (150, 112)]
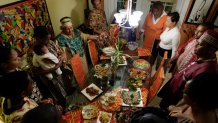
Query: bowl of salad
[(141, 64)]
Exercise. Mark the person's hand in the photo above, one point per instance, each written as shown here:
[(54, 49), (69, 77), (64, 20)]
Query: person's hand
[(138, 35), (94, 37), (182, 113), (171, 62), (47, 101), (102, 36)]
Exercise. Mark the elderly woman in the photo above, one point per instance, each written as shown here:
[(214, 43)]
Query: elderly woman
[(73, 39), (205, 50), (98, 23)]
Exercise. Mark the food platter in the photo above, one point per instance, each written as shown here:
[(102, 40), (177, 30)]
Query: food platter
[(108, 51), (131, 98), (101, 70), (89, 112), (91, 91), (104, 117), (136, 73), (110, 101), (141, 64), (122, 60)]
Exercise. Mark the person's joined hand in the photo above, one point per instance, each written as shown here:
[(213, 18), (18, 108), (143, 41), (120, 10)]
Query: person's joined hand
[(138, 35), (47, 101)]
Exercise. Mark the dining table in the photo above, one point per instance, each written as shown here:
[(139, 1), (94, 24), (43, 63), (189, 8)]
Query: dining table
[(114, 84)]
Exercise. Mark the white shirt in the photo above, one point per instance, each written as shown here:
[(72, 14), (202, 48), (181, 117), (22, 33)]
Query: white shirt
[(169, 39), (38, 61)]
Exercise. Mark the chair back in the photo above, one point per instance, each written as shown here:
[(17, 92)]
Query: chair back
[(78, 71), (157, 79), (93, 52)]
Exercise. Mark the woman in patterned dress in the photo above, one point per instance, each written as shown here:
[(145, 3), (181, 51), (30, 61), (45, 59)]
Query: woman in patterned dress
[(98, 23)]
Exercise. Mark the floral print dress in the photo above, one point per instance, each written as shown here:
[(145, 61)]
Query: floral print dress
[(97, 22)]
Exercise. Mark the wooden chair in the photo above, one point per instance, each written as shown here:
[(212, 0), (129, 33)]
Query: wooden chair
[(78, 71), (93, 52), (157, 80)]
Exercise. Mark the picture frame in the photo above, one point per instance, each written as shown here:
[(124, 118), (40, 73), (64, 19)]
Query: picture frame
[(17, 22), (215, 20), (10, 2), (199, 11)]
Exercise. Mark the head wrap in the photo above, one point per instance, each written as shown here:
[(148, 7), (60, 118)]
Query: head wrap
[(211, 37), (66, 21)]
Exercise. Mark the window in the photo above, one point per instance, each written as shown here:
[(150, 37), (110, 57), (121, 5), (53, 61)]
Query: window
[(167, 6), (120, 4)]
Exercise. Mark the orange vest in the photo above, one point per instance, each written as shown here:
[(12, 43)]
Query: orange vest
[(153, 31)]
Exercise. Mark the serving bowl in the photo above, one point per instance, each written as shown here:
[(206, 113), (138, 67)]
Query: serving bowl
[(132, 45), (108, 51)]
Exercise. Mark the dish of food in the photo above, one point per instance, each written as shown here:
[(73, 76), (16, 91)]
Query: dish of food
[(89, 112), (141, 64), (136, 73), (134, 83), (121, 60), (111, 101), (101, 70), (108, 98), (104, 117), (131, 98), (108, 51), (91, 91)]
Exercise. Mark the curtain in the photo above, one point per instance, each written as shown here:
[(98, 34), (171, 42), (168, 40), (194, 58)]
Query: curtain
[(110, 7), (144, 6)]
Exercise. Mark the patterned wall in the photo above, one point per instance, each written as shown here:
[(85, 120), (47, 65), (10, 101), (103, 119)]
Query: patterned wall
[(17, 22)]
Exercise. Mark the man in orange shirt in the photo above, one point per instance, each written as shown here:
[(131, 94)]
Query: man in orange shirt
[(154, 25)]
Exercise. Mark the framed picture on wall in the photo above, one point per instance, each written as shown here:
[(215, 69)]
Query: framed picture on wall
[(199, 11), (18, 20), (9, 2), (215, 20)]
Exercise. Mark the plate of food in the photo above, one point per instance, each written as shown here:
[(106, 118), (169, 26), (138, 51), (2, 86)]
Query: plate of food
[(135, 83), (91, 91), (89, 112), (101, 70), (108, 51), (131, 98), (104, 117), (141, 64), (108, 98), (121, 60), (136, 73)]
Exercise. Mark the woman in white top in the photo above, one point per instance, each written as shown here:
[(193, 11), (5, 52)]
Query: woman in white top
[(169, 39)]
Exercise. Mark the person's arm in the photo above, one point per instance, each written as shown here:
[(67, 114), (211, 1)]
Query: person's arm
[(175, 44), (61, 47), (93, 23), (86, 37)]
